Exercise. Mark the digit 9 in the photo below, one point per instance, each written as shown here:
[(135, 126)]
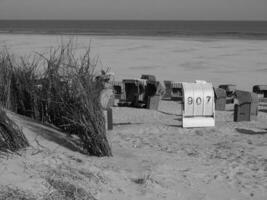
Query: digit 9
[(190, 100)]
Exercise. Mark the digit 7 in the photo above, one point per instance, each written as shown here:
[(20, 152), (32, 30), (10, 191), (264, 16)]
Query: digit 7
[(208, 98)]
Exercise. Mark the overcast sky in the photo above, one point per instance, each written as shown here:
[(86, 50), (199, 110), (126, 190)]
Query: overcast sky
[(135, 9)]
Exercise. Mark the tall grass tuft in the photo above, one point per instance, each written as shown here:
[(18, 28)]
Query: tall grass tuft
[(64, 93), (17, 83), (11, 137)]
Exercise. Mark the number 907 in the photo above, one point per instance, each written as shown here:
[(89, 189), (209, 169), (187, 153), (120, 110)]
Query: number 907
[(190, 100)]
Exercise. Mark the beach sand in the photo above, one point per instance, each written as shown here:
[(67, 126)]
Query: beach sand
[(236, 61), (153, 156)]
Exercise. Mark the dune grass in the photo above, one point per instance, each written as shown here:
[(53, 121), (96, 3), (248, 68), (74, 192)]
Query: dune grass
[(58, 88), (11, 137)]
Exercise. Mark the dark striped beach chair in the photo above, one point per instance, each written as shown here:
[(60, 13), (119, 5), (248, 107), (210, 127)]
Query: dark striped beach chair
[(246, 107), (134, 92), (148, 77), (167, 94), (176, 91), (118, 89), (261, 91), (153, 93)]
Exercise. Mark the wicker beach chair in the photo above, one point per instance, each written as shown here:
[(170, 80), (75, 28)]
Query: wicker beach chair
[(176, 91), (261, 91)]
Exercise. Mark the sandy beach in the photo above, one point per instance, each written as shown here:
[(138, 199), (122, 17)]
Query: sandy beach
[(236, 61), (153, 156)]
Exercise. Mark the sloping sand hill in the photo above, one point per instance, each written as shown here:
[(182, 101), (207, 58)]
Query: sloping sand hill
[(154, 158)]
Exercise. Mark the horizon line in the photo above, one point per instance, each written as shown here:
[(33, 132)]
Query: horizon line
[(202, 20)]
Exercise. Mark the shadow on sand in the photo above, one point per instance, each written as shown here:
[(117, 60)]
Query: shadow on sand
[(251, 132), (178, 125), (57, 137), (175, 126), (126, 123), (263, 110), (166, 113)]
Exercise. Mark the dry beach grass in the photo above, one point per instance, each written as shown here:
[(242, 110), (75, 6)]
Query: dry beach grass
[(63, 93)]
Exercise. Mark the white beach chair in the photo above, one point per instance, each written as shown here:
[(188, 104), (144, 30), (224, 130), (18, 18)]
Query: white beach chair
[(199, 106)]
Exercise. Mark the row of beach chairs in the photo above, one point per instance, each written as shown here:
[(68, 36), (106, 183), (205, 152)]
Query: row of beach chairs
[(245, 107), (245, 103), (146, 92), (134, 91), (227, 91)]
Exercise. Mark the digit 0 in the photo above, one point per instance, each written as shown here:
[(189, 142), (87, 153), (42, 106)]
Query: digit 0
[(198, 101)]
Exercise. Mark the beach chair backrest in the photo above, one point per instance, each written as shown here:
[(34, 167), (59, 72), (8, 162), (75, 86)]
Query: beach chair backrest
[(219, 93), (246, 107), (167, 85), (198, 99), (199, 107), (254, 104), (176, 90), (118, 87), (229, 88), (148, 77), (134, 89), (243, 97), (151, 88), (220, 98), (131, 89), (261, 90)]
